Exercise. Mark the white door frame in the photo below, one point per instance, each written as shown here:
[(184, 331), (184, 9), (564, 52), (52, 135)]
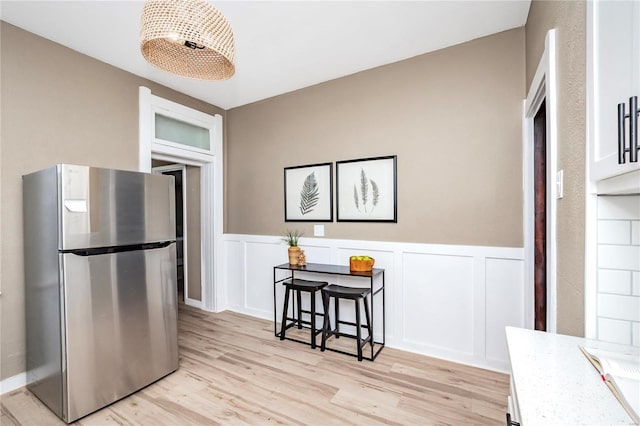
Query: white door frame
[(211, 181), (185, 252), (543, 88)]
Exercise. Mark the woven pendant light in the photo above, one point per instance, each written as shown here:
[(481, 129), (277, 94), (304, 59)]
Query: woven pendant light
[(189, 38)]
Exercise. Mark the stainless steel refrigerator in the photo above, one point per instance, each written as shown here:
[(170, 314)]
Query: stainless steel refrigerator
[(100, 275)]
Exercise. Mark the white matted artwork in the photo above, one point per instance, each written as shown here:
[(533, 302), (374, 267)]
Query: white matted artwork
[(366, 190), (308, 193)]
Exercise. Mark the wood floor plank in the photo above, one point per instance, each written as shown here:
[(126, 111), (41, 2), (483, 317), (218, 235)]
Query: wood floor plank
[(6, 418), (233, 371)]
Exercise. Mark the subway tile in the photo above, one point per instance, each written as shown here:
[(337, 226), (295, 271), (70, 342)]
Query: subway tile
[(635, 333), (614, 232), (619, 207), (619, 257), (614, 306), (635, 283), (635, 232), (614, 281), (615, 331)]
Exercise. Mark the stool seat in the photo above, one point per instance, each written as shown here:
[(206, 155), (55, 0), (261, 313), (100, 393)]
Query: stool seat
[(304, 285), (351, 293), (297, 286), (343, 292)]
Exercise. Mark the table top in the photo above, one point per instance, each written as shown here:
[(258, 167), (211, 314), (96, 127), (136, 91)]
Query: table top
[(556, 384), (330, 269)]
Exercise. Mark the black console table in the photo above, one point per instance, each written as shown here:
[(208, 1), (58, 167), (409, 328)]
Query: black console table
[(340, 270)]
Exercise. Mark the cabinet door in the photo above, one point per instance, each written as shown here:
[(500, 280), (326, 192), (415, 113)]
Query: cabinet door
[(614, 35)]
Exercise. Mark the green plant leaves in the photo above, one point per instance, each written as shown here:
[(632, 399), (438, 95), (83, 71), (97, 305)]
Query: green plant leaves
[(292, 237)]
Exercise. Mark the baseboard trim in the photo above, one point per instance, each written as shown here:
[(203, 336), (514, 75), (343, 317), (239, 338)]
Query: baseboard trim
[(12, 383), (193, 302)]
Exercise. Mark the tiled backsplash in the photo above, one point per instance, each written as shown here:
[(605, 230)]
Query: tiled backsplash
[(618, 302)]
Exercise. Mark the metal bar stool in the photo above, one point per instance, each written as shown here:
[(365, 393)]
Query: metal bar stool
[(352, 293), (298, 286)]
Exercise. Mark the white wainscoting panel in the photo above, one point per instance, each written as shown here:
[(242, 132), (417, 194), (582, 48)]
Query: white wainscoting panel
[(260, 257), (438, 295), (446, 301), (234, 273), (504, 279), (318, 254)]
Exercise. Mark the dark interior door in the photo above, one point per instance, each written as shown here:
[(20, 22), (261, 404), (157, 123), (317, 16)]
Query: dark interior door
[(540, 220)]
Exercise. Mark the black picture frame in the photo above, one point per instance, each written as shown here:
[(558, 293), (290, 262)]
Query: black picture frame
[(367, 190), (308, 193)]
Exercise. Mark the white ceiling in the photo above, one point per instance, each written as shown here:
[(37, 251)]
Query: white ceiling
[(280, 46)]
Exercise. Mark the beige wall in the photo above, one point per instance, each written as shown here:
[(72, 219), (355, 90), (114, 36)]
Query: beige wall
[(569, 18), (453, 118), (57, 106)]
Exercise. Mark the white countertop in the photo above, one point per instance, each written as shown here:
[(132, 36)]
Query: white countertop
[(556, 384)]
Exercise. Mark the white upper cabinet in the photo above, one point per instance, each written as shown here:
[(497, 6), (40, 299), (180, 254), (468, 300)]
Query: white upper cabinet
[(613, 76)]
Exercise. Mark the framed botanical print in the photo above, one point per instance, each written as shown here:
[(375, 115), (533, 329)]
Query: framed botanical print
[(308, 193), (366, 190)]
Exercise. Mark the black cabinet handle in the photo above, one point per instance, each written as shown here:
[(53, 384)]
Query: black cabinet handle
[(633, 131), (621, 141), (511, 422)]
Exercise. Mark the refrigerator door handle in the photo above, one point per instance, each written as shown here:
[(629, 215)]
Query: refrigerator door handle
[(95, 251)]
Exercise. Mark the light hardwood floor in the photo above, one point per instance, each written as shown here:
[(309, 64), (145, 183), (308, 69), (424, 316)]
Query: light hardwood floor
[(234, 371)]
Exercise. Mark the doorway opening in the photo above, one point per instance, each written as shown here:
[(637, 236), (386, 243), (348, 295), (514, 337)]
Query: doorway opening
[(540, 192), (540, 217), (197, 144), (182, 206)]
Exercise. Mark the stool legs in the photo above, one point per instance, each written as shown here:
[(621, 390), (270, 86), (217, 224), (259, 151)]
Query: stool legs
[(299, 297), (296, 318), (327, 292), (313, 319), (337, 308), (358, 332), (283, 325), (325, 322), (368, 318), (326, 325)]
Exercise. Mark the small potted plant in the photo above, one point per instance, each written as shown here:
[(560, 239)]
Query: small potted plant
[(292, 238)]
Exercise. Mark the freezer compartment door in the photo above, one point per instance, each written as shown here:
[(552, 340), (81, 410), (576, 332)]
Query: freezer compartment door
[(121, 316), (103, 207)]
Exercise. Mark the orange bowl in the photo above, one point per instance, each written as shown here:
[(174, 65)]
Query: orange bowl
[(361, 265)]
